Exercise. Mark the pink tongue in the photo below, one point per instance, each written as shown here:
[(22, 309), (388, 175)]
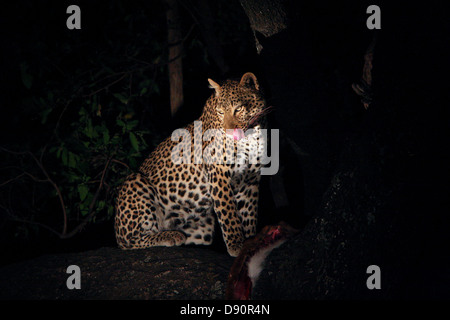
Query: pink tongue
[(238, 134)]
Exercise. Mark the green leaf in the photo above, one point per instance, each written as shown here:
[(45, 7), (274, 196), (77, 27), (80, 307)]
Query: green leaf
[(105, 136), (58, 153), (84, 209), (132, 162), (101, 205), (88, 131), (44, 115), (72, 176), (134, 141), (110, 211), (83, 190), (72, 160), (143, 91), (65, 157), (120, 123), (84, 205), (121, 98), (132, 124)]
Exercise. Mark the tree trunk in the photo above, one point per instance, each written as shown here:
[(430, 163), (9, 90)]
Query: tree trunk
[(268, 17), (175, 42), (385, 203)]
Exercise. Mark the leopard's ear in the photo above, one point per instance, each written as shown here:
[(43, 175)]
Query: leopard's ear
[(214, 85), (249, 79)]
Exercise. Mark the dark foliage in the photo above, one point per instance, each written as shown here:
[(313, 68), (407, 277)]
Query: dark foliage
[(84, 107)]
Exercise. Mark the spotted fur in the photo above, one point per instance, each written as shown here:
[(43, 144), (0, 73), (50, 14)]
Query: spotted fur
[(168, 204)]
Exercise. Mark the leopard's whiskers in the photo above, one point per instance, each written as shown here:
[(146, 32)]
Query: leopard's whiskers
[(260, 114)]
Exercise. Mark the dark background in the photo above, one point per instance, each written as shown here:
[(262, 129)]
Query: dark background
[(306, 71)]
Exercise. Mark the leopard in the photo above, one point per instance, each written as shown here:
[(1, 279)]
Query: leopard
[(176, 200)]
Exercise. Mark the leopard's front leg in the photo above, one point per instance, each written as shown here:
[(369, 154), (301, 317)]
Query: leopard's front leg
[(226, 210), (246, 198)]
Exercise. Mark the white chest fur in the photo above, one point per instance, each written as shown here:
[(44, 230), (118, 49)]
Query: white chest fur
[(256, 263)]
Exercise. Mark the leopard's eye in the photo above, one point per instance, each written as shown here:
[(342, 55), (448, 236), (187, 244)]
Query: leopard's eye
[(219, 111), (238, 109)]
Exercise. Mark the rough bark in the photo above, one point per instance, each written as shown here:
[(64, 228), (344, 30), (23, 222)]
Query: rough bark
[(385, 202), (379, 210), (267, 17), (110, 273)]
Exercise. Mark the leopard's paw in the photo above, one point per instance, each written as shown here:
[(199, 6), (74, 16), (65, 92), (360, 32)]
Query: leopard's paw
[(234, 249), (172, 238)]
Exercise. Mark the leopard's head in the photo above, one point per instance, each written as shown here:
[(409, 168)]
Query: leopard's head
[(238, 104)]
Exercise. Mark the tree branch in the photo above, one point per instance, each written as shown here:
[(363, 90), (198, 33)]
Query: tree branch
[(16, 219), (58, 190), (63, 234), (91, 212)]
